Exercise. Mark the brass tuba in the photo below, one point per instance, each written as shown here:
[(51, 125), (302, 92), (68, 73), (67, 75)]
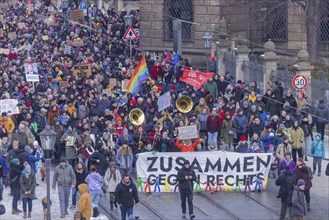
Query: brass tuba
[(184, 104), (166, 117), (136, 116)]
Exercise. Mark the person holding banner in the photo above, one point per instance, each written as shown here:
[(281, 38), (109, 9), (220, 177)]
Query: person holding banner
[(186, 176), (187, 145)]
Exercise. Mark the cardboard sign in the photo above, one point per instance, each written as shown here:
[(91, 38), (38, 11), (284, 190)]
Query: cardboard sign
[(113, 82), (76, 15), (12, 35), (82, 70), (187, 132), (77, 43), (50, 21), (9, 105), (164, 101), (64, 84), (45, 37), (21, 25), (67, 49), (4, 51), (124, 85)]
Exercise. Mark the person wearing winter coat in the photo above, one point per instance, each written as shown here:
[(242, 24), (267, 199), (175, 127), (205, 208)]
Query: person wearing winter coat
[(185, 177), (211, 87), (20, 135), (287, 180), (27, 183), (65, 178), (297, 136), (31, 159), (240, 123), (80, 178), (213, 126), (242, 146), (187, 145), (317, 151), (127, 196), (98, 159), (94, 181), (85, 204), (281, 151), (308, 135), (71, 140), (125, 159), (8, 124), (321, 117), (298, 201), (288, 162), (15, 173), (255, 127), (268, 137), (202, 104), (227, 132), (301, 172), (112, 179)]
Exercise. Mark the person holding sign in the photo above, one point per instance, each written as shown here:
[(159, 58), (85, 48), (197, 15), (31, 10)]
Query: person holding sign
[(187, 145), (186, 176)]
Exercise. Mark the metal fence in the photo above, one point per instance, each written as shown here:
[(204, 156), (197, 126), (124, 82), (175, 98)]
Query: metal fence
[(253, 71), (230, 63)]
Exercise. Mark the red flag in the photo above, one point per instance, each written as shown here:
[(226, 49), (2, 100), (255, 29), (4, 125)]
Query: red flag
[(195, 78)]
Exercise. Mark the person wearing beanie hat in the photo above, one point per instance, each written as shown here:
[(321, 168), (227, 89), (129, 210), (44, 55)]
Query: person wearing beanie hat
[(27, 189), (15, 172), (243, 146), (298, 201), (240, 123), (302, 173), (186, 177), (317, 151), (65, 179)]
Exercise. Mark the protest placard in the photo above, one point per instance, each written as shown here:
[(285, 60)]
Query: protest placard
[(164, 101), (77, 43), (64, 84), (113, 82), (82, 70), (12, 35), (4, 51), (9, 105), (67, 49), (21, 25), (187, 132), (44, 37), (50, 20), (31, 72), (76, 15), (124, 85), (224, 171)]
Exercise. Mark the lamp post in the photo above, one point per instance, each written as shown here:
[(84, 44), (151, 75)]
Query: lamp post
[(128, 22), (48, 138), (207, 40)]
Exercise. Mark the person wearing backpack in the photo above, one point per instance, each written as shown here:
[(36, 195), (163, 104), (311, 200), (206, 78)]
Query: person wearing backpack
[(298, 201), (317, 151), (287, 181), (302, 172)]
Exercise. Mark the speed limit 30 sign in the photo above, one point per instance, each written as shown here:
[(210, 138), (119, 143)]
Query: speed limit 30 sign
[(299, 82)]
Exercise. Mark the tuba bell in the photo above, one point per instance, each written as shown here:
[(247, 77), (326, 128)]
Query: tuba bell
[(184, 104), (136, 116)]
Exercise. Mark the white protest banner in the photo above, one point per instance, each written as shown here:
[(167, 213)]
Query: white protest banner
[(67, 49), (9, 105), (187, 132), (164, 101), (215, 171)]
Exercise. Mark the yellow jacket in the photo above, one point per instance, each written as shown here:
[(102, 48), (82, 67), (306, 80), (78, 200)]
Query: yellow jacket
[(9, 126), (85, 205), (297, 136)]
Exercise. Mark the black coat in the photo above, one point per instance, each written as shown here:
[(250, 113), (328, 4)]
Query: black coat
[(287, 182), (80, 177), (184, 183), (15, 174), (102, 165), (126, 194)]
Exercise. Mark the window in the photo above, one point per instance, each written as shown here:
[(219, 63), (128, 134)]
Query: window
[(324, 22), (181, 10)]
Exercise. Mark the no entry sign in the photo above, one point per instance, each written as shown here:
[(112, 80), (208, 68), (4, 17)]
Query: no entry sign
[(299, 82)]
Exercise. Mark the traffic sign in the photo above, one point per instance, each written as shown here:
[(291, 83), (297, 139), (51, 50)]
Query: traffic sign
[(130, 34), (299, 82), (83, 5)]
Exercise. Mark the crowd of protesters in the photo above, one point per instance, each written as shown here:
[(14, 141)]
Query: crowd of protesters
[(93, 129)]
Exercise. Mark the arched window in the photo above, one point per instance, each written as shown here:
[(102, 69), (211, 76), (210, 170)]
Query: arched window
[(175, 9)]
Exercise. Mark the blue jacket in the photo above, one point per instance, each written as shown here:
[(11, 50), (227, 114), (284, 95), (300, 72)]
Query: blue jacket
[(31, 159), (3, 164), (94, 181), (319, 147), (240, 123)]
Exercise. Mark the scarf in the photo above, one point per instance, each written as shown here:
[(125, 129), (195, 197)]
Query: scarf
[(79, 170), (113, 174), (26, 174)]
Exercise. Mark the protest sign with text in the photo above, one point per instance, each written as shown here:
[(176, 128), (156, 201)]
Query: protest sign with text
[(82, 70), (76, 15), (216, 170), (187, 132), (9, 106), (164, 101)]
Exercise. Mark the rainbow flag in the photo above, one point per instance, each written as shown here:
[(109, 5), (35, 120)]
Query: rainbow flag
[(139, 75)]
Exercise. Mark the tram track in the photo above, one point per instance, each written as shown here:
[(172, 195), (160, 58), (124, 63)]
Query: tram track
[(216, 204), (108, 213), (151, 209)]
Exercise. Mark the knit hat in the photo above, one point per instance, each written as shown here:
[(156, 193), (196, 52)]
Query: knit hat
[(172, 87), (268, 127), (285, 137), (63, 159), (15, 161), (287, 153), (253, 107), (186, 162), (27, 149), (301, 182), (243, 138), (27, 167)]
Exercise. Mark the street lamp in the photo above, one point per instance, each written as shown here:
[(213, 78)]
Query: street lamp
[(48, 139), (207, 40)]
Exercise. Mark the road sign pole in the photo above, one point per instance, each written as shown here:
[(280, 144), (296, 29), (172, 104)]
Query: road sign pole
[(131, 54)]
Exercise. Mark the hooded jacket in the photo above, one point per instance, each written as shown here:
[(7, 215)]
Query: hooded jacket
[(94, 181), (85, 204), (321, 113), (298, 203), (184, 183), (64, 176), (319, 147), (126, 193)]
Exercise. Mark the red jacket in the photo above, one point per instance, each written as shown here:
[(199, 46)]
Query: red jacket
[(156, 71), (213, 124), (189, 148)]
